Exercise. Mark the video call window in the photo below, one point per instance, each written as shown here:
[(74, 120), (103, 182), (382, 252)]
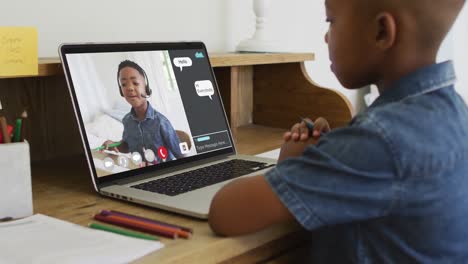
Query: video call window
[(131, 108)]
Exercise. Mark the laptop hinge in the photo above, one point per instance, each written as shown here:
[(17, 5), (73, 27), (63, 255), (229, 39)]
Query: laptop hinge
[(163, 171)]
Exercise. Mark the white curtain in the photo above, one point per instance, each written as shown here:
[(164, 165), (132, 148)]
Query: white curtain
[(95, 80), (88, 86)]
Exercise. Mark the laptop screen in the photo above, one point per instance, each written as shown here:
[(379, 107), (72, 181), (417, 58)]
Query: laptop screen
[(145, 106)]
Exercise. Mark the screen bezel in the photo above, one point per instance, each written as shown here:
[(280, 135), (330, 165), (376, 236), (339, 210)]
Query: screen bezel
[(77, 48)]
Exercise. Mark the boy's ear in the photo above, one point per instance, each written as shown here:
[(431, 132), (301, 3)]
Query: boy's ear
[(385, 35)]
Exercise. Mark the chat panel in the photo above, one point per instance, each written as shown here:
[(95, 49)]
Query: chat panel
[(201, 100)]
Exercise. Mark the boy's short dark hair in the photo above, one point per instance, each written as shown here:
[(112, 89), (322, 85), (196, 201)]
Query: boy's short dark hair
[(134, 65)]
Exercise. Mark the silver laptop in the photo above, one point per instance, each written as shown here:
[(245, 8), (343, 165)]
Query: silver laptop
[(153, 125)]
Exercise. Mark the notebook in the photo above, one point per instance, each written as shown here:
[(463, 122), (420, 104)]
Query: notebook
[(153, 125), (43, 239)]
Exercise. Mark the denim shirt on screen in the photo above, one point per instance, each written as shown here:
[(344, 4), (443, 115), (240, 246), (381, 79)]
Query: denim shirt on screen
[(151, 133), (392, 186)]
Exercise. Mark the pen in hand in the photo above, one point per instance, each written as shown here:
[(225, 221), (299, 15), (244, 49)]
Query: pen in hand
[(310, 126), (299, 133)]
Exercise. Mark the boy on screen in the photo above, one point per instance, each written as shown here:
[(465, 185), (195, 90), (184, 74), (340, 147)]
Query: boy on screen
[(146, 130)]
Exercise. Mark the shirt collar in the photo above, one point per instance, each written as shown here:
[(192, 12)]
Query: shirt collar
[(422, 81), (149, 112)]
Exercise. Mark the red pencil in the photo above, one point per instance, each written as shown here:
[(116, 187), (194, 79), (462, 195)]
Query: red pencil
[(114, 221), (178, 231), (4, 128), (113, 212)]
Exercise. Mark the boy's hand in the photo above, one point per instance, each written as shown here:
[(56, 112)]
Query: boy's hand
[(106, 146), (301, 132), (292, 148)]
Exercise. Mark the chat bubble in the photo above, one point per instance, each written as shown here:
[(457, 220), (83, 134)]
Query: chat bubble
[(204, 88), (182, 62)]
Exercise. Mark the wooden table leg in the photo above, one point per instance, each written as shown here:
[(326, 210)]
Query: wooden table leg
[(241, 96)]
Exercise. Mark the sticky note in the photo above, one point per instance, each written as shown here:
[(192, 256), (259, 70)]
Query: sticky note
[(18, 51)]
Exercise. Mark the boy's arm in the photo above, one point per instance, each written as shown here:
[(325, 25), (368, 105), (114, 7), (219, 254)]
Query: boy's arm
[(244, 206), (249, 204)]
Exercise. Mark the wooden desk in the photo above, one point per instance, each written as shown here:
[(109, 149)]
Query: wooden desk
[(272, 90), (63, 189)]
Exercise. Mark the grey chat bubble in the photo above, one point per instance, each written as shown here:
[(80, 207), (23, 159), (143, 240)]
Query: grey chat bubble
[(204, 88), (182, 62)]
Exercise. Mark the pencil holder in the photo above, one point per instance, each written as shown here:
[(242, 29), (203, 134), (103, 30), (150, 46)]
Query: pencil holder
[(15, 180)]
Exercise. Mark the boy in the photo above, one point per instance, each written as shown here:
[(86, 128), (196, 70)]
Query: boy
[(392, 185), (144, 127)]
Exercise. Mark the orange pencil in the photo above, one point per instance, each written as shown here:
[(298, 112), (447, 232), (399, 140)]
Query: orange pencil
[(136, 217), (150, 226)]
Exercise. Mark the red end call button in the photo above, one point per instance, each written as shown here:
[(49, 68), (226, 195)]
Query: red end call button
[(162, 153)]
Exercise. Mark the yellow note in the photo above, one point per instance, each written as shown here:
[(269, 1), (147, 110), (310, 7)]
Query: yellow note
[(18, 51)]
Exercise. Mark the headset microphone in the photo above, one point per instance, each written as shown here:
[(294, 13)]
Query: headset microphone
[(144, 96)]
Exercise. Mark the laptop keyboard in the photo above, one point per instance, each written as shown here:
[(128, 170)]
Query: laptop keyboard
[(199, 178)]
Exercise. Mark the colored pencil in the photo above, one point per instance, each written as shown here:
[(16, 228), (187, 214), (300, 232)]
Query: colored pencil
[(134, 226), (4, 127), (121, 231), (149, 220), (150, 226), (17, 131), (24, 115)]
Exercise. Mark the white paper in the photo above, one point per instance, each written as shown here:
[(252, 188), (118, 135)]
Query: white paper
[(43, 239), (273, 154)]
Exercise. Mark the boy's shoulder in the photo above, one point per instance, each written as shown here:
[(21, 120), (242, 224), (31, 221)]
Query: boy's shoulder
[(159, 116), (425, 127), (426, 113)]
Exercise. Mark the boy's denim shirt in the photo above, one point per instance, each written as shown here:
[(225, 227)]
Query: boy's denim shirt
[(151, 133), (392, 186)]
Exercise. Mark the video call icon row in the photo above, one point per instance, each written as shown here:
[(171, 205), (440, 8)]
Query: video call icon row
[(137, 159)]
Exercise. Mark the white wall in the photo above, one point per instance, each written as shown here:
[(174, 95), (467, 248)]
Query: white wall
[(455, 48), (220, 24), (116, 20)]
